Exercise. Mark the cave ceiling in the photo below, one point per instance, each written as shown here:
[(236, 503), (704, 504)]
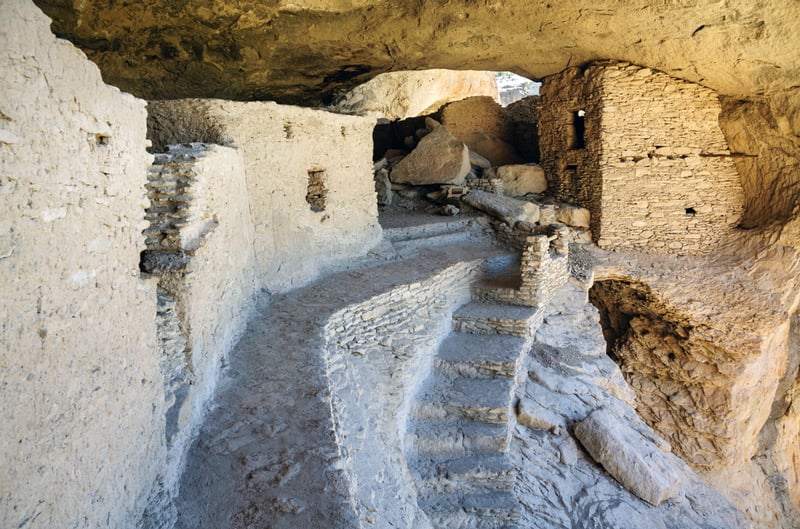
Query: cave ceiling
[(307, 51)]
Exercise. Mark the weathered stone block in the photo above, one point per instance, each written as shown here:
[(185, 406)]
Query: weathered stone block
[(521, 179), (439, 158), (507, 209), (636, 462)]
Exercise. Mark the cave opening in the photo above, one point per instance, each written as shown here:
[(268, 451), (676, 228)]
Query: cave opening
[(496, 122), (614, 322)]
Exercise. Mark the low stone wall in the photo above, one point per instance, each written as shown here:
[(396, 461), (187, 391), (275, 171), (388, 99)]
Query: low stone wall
[(309, 179), (378, 351), (490, 185), (200, 245), (544, 267), (81, 397)]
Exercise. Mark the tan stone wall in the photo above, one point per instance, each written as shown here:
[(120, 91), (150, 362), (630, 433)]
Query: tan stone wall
[(281, 145), (573, 174), (655, 171), (81, 393)]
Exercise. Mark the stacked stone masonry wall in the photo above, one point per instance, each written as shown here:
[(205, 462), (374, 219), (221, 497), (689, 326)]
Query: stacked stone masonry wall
[(573, 174), (669, 183), (654, 168), (544, 265), (199, 209), (508, 235), (377, 351), (499, 325), (489, 185)]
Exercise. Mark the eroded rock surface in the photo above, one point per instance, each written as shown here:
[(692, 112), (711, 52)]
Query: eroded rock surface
[(560, 485), (401, 95), (299, 50)]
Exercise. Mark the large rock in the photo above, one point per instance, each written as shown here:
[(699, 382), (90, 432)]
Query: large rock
[(400, 95), (509, 210), (574, 216), (635, 461), (519, 179), (439, 158), (480, 122)]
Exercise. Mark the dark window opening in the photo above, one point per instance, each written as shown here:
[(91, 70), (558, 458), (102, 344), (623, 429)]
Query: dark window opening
[(691, 211), (578, 130)]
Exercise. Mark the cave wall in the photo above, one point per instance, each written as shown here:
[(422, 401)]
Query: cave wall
[(285, 149), (764, 134), (715, 388), (81, 391), (408, 94), (648, 158)]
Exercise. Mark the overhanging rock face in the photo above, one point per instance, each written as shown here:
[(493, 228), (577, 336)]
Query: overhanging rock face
[(300, 51)]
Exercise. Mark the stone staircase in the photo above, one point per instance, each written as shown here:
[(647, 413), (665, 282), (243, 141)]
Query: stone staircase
[(461, 421), (407, 239)]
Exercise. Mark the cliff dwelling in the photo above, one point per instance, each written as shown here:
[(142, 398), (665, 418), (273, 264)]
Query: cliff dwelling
[(323, 264)]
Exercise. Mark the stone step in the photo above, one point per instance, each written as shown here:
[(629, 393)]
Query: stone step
[(501, 295), (502, 265), (438, 439), (488, 510), (408, 246), (481, 355), (490, 318), (431, 229), (455, 398), (473, 474)]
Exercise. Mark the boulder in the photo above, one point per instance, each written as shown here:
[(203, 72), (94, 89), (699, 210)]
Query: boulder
[(481, 123), (633, 460), (574, 216), (494, 148), (439, 158), (509, 210), (476, 160), (520, 180)]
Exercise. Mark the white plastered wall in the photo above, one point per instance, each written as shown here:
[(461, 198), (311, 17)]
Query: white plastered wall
[(80, 389)]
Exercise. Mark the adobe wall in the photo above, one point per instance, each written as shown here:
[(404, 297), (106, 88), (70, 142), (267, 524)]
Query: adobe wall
[(82, 398), (284, 147), (655, 170), (200, 246)]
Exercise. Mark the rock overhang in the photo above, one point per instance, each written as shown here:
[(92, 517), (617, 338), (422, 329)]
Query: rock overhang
[(305, 52)]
